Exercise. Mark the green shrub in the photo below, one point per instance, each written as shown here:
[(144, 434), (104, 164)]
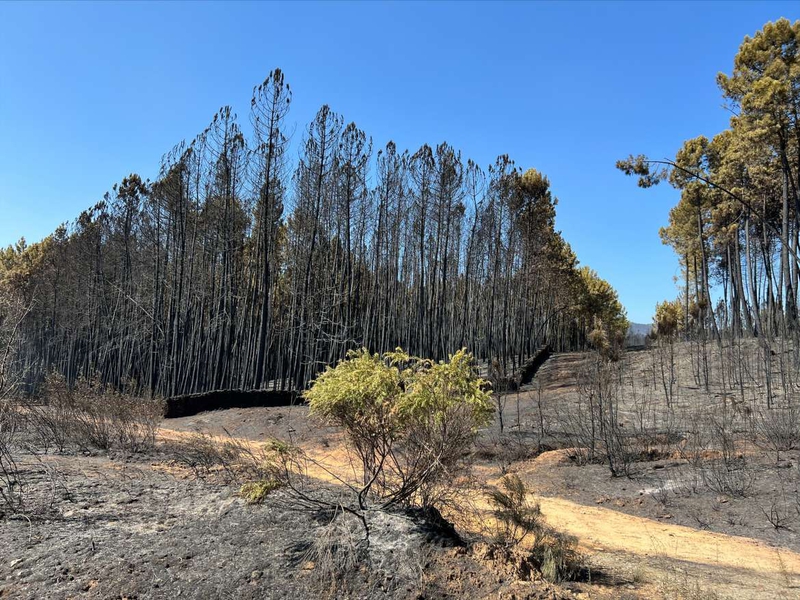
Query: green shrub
[(514, 515), (409, 420), (255, 492)]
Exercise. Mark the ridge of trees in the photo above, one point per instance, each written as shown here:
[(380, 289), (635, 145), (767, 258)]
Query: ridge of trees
[(236, 268)]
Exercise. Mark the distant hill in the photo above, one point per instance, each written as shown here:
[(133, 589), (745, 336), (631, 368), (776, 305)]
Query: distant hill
[(639, 328), (637, 333)]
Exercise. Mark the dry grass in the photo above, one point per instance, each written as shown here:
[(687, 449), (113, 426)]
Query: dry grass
[(229, 459), (337, 552), (89, 416)]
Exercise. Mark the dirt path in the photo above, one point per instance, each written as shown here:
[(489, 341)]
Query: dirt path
[(604, 529), (672, 561), (739, 567)]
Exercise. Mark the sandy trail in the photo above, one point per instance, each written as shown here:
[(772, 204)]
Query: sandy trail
[(601, 530), (605, 529)]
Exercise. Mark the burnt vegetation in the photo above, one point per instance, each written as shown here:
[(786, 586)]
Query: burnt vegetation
[(239, 274), (241, 267), (410, 303)]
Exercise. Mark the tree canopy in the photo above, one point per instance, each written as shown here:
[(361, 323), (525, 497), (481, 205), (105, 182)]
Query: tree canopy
[(737, 223)]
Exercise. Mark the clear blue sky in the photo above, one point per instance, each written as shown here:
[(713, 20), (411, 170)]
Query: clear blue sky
[(91, 92)]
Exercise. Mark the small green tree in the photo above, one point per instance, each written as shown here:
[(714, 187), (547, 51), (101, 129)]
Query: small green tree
[(409, 420), (598, 303), (667, 323)]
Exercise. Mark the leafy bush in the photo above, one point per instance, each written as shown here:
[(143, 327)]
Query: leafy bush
[(409, 420)]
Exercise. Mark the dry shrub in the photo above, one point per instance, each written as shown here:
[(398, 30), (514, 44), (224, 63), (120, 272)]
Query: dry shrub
[(724, 468), (778, 429), (782, 509), (91, 415), (552, 554), (234, 460), (556, 556), (206, 456), (680, 585), (714, 449), (11, 493), (51, 424), (12, 313), (387, 558), (506, 449), (594, 427), (28, 485), (136, 419)]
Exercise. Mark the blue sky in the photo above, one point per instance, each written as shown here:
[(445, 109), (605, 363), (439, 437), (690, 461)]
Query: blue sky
[(90, 92)]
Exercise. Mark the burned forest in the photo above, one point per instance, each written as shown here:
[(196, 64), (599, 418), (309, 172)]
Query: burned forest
[(245, 267), (294, 361)]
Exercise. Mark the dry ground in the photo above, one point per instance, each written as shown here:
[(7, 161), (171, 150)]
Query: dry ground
[(146, 528)]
